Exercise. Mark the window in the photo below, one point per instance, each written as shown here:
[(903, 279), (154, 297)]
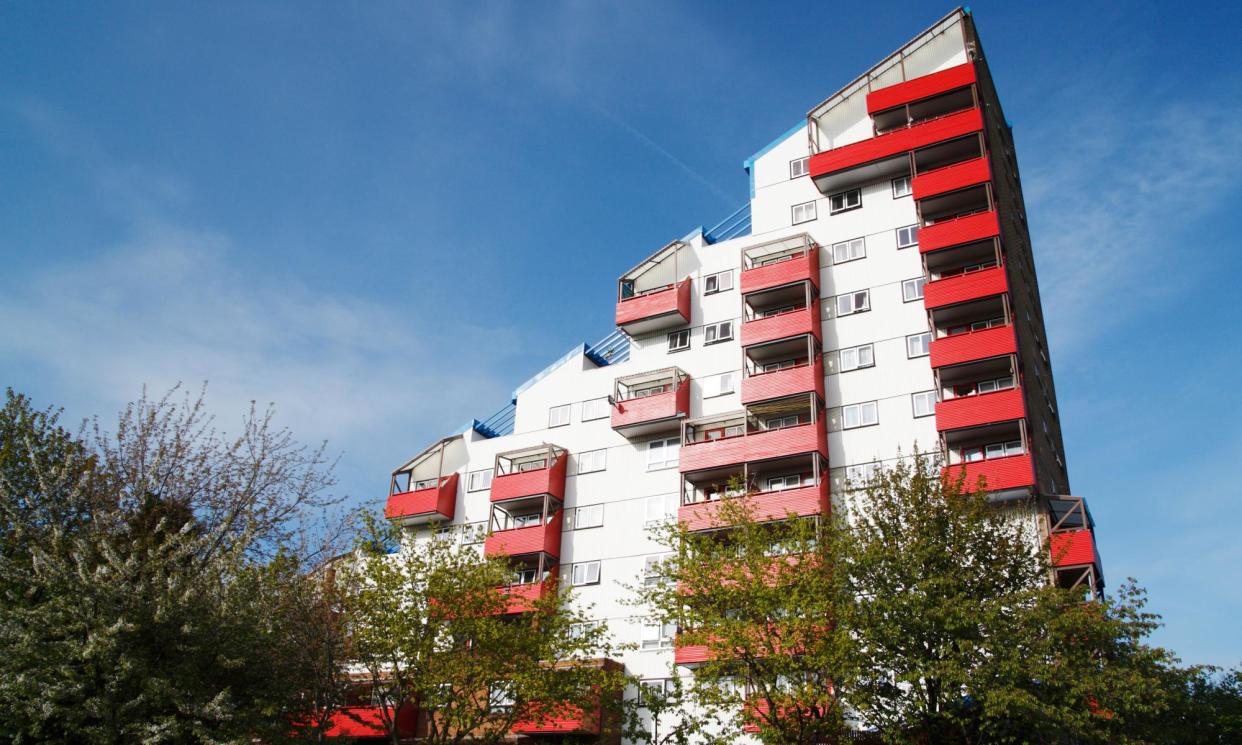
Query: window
[(592, 460), (472, 533), (659, 508), (718, 332), (859, 475), (656, 635), (853, 358), (849, 251), (525, 576), (656, 690), (532, 465), (918, 345), (853, 302), (860, 415), (719, 385), (781, 422), (679, 340), (585, 573), (662, 453), (596, 408), (912, 289), (501, 698), (993, 450), (908, 236), (799, 167), (558, 416), (479, 480), (591, 516), (846, 200), (719, 282), (780, 483), (901, 187), (804, 212), (425, 484), (924, 403), (653, 568)]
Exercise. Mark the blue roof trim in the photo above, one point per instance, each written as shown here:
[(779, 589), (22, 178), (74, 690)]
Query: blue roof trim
[(610, 350), (749, 163), (735, 225)]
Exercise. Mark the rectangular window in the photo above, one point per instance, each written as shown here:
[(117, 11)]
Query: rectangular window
[(846, 200), (657, 635), (558, 416), (653, 568), (780, 483), (901, 187), (585, 573), (912, 289), (918, 345), (719, 282), (663, 453), (501, 698), (853, 302), (853, 358), (908, 236), (860, 415), (659, 508), (858, 476), (717, 332), (596, 408), (799, 167), (849, 251), (720, 385), (592, 460), (781, 422), (591, 516), (479, 480), (679, 340), (924, 403), (804, 212)]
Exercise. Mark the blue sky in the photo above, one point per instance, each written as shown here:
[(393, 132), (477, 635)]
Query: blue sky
[(384, 216)]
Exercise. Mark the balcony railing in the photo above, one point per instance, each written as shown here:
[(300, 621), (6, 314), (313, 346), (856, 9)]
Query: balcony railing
[(786, 267), (951, 178), (1011, 472), (1073, 548), (802, 378), (518, 484), (958, 231), (655, 310), (895, 143), (980, 409), (523, 598), (796, 322), (920, 88), (964, 287), (770, 505), (973, 345), (435, 503), (753, 446), (648, 412), (531, 539)]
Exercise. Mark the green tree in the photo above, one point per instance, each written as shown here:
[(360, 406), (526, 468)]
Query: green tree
[(428, 621)]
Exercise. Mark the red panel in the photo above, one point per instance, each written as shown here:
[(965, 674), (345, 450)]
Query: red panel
[(1001, 473), (781, 383), (569, 720), (529, 540), (692, 654), (755, 446), (809, 500), (800, 267), (985, 408), (782, 326), (964, 287), (1073, 547), (635, 411), (916, 89), (366, 721), (951, 178), (894, 143), (973, 345), (441, 501), (521, 598), (977, 227), (675, 299), (532, 483)]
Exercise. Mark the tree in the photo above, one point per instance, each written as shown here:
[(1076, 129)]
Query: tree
[(137, 574), (756, 603), (429, 622)]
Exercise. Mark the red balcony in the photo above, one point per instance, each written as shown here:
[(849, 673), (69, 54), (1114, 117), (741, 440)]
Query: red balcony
[(1013, 472), (799, 267), (754, 446), (566, 720), (783, 325), (656, 309), (641, 413), (773, 505), (434, 503), (532, 483), (963, 287), (983, 408), (973, 345), (968, 229), (781, 383), (898, 142), (919, 88), (952, 178), (1073, 548), (691, 654), (367, 721), (532, 539), (522, 598)]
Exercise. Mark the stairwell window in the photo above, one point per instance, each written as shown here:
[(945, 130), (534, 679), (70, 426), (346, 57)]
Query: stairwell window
[(860, 415), (799, 167), (479, 480), (908, 236), (679, 340), (850, 250), (853, 302), (714, 333), (804, 212), (558, 416), (663, 453), (918, 345), (592, 460), (846, 200), (901, 187), (585, 573), (718, 282), (853, 358), (924, 403), (912, 289), (591, 516)]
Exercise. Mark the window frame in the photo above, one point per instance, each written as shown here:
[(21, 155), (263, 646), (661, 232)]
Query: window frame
[(664, 463), (848, 245), (845, 206), (677, 334), (715, 328), (927, 335), (860, 407), (909, 186), (914, 405), (603, 403), (589, 510), (866, 306), (491, 474), (586, 567), (920, 285), (793, 212), (567, 408), (804, 165), (594, 469), (841, 368), (914, 234), (727, 274)]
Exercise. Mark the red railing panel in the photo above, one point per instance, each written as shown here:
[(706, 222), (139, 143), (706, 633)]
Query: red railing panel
[(964, 287), (783, 325), (894, 143), (781, 383), (674, 299), (1001, 473), (984, 408), (774, 505), (951, 178), (437, 501), (549, 480), (974, 345), (946, 233), (1072, 547), (670, 404), (916, 89), (796, 269)]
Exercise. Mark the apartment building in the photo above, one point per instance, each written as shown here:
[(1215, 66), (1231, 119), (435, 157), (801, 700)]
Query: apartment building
[(877, 294)]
